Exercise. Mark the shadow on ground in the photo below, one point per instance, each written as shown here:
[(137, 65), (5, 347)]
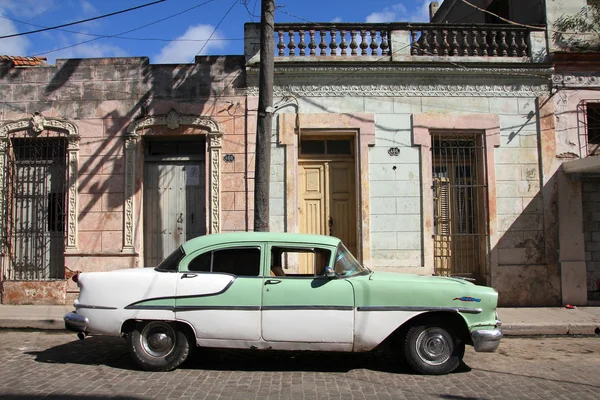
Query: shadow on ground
[(114, 352)]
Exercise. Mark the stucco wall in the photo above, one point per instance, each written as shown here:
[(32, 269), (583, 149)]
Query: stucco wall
[(591, 228), (102, 97)]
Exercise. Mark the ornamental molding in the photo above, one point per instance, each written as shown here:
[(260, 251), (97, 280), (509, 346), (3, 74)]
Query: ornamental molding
[(528, 73), (173, 120), (37, 123), (409, 90), (576, 80)]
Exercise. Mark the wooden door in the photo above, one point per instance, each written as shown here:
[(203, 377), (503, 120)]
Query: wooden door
[(327, 204), (174, 206)]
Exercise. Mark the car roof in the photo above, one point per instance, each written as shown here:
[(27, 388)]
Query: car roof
[(240, 237)]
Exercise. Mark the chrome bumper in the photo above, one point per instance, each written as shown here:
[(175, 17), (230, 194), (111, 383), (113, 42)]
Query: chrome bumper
[(486, 341), (75, 322)]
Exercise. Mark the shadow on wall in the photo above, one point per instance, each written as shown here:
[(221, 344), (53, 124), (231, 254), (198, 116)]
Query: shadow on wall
[(103, 96)]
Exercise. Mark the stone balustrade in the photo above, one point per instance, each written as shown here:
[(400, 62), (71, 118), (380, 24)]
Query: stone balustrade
[(399, 42)]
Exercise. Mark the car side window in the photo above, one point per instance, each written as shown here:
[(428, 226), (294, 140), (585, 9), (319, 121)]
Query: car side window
[(236, 261), (299, 262)]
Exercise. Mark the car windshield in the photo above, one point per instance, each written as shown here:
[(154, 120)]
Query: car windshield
[(345, 263), (171, 263)]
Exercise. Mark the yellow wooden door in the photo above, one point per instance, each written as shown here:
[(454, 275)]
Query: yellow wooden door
[(327, 204)]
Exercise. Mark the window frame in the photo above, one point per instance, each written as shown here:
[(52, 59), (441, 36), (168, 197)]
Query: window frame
[(308, 248), (185, 261)]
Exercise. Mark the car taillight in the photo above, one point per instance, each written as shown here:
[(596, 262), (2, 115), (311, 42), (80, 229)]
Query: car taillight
[(75, 278)]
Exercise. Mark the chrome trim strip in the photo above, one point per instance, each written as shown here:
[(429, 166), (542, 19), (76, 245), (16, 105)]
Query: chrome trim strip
[(78, 306), (298, 307), (420, 309), (135, 306), (226, 308)]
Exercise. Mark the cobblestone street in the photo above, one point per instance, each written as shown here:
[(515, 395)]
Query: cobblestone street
[(57, 365)]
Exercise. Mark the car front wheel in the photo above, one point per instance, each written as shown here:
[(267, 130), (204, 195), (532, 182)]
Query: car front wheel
[(158, 345), (432, 350)]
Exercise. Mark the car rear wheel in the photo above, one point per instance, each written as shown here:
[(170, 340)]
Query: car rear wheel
[(158, 345), (432, 349)]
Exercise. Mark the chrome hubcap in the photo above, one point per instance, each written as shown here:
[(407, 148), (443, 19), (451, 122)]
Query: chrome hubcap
[(434, 346), (158, 339)]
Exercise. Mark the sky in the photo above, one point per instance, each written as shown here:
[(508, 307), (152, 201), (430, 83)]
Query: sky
[(172, 31)]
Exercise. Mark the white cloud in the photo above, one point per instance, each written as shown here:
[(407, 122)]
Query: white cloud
[(15, 46), (184, 52), (26, 8), (88, 8), (88, 50), (336, 19), (418, 12)]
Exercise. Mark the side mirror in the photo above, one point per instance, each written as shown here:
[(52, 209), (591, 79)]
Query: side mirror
[(330, 272)]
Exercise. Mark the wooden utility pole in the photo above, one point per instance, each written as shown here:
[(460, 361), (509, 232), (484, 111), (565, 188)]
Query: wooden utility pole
[(264, 123)]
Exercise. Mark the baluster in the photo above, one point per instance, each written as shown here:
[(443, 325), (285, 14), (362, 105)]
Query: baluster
[(302, 44), (333, 45), (513, 44), (281, 44), (464, 48), (523, 45), (312, 45), (292, 43), (485, 47), (434, 42), (363, 44), (494, 44), (474, 44), (343, 43), (353, 44), (445, 44), (414, 51), (503, 45), (384, 44), (323, 45), (425, 47), (454, 44), (374, 45)]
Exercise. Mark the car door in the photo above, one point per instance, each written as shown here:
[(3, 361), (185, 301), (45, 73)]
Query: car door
[(219, 292), (301, 304)]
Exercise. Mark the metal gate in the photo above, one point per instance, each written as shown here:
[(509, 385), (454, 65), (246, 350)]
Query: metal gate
[(34, 221), (460, 215)]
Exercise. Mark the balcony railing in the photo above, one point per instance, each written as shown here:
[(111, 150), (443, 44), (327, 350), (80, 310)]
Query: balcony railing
[(399, 42)]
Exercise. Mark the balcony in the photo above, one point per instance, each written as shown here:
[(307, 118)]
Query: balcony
[(399, 42)]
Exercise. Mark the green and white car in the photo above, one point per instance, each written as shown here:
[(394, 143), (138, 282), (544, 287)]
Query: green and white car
[(283, 291)]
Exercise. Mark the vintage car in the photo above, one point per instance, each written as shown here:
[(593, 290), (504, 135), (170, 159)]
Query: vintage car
[(283, 291)]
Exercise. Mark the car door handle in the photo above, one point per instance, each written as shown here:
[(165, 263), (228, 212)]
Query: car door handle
[(188, 276), (272, 281)]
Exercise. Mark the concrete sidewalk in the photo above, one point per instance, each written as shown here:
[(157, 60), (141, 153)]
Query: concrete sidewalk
[(515, 321)]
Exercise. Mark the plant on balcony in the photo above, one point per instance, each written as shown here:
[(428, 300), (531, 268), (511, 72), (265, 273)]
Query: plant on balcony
[(581, 31)]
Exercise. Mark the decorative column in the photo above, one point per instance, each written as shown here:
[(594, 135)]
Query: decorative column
[(73, 174), (3, 146), (214, 149), (129, 235)]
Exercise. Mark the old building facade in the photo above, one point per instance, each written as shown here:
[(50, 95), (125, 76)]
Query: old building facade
[(113, 163), (447, 149)]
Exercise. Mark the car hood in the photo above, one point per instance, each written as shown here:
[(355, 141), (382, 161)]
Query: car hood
[(401, 277)]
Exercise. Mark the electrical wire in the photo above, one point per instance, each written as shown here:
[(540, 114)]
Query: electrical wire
[(128, 31), (84, 20), (35, 16), (216, 27)]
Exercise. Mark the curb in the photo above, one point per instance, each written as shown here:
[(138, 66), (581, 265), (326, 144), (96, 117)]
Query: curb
[(546, 329), (38, 324)]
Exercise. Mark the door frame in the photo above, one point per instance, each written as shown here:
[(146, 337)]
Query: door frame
[(165, 159), (326, 160), (361, 126)]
